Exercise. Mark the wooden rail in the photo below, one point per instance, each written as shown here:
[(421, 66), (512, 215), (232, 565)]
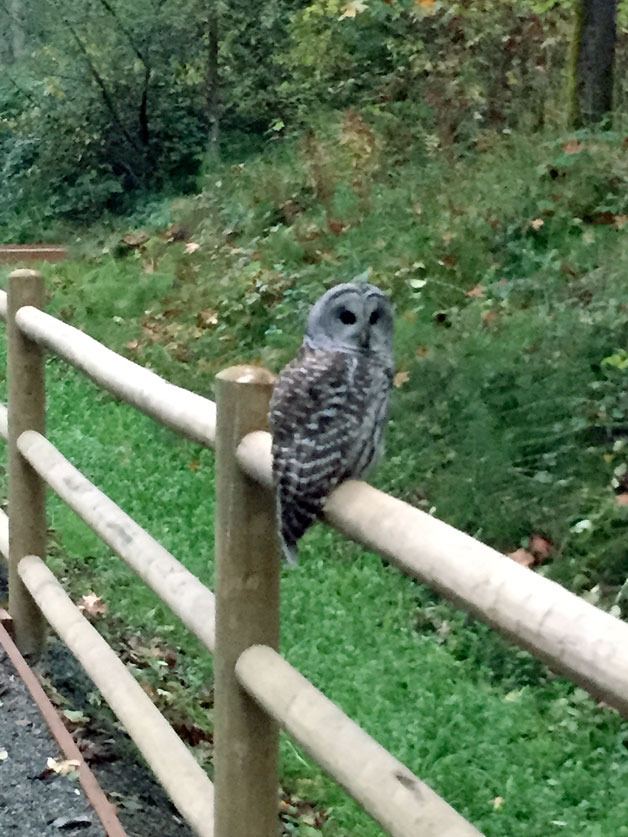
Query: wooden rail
[(189, 414), (32, 253), (571, 635), (383, 786), (175, 585), (255, 688)]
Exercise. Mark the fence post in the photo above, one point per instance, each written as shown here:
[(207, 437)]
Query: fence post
[(26, 409), (247, 612)]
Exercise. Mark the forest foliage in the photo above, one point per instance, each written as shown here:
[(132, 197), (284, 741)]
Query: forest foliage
[(102, 102)]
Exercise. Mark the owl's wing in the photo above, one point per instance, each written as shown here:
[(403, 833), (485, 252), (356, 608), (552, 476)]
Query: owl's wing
[(316, 416)]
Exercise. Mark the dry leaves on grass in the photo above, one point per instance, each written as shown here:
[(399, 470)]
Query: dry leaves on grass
[(539, 550), (400, 379), (92, 605), (352, 9)]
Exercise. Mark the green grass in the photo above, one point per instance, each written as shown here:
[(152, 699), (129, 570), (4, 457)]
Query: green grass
[(512, 422)]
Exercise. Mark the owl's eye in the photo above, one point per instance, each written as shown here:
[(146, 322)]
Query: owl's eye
[(347, 317), (374, 317)]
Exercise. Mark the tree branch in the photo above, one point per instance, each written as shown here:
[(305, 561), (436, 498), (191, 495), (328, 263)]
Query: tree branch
[(99, 81)]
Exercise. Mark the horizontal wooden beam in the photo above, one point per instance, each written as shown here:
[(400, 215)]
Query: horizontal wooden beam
[(574, 637), (29, 253), (167, 756), (186, 412), (4, 535), (175, 585), (402, 804)]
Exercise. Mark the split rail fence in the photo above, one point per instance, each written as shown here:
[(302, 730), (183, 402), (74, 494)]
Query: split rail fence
[(256, 690)]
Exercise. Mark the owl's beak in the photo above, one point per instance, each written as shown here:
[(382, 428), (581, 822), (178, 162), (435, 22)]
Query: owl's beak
[(365, 338)]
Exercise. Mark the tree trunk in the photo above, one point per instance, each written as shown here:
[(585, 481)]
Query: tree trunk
[(592, 62), (213, 98), (17, 29)]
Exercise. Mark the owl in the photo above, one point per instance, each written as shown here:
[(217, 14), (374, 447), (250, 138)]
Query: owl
[(329, 406)]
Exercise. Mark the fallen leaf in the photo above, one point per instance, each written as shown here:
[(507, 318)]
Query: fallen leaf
[(622, 499), (498, 802), (541, 547), (478, 292), (426, 5), (135, 239), (65, 767), (400, 379), (98, 752), (335, 226), (92, 605), (192, 734), (603, 218), (523, 557), (176, 232), (132, 345), (573, 147), (537, 223), (207, 317), (75, 716), (489, 317), (448, 261), (353, 9), (191, 247)]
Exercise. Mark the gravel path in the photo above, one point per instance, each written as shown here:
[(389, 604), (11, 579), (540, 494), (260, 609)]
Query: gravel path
[(37, 803), (34, 800)]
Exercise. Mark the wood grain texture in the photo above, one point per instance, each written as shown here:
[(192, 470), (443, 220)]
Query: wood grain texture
[(247, 612), (27, 496)]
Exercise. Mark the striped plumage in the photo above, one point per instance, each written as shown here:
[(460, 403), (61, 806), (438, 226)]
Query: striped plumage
[(329, 407)]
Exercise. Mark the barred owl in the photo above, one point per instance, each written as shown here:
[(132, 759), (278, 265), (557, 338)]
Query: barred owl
[(329, 406)]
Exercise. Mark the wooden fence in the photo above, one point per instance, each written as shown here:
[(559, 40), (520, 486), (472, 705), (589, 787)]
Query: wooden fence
[(256, 690)]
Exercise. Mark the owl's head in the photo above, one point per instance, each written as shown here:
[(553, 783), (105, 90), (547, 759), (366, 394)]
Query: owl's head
[(353, 317)]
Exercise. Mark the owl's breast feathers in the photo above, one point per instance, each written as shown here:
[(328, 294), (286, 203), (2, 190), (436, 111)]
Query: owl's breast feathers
[(327, 417)]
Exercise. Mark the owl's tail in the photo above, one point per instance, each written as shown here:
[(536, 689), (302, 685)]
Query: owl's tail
[(287, 539), (289, 552)]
